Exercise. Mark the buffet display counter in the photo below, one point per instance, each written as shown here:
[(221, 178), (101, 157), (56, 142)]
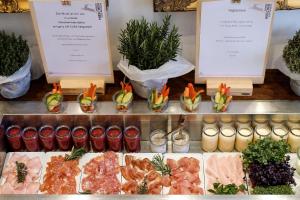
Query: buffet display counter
[(191, 136)]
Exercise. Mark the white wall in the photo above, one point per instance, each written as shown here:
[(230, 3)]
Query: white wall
[(121, 11)]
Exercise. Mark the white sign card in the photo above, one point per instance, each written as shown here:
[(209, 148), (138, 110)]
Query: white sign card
[(73, 39), (233, 39)]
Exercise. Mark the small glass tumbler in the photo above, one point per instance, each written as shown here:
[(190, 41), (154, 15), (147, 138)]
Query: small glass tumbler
[(98, 138), (63, 138), (13, 134), (114, 138), (31, 139), (47, 137)]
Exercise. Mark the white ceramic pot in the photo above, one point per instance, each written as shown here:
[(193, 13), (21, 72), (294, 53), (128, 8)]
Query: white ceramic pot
[(18, 83), (295, 86), (143, 88)]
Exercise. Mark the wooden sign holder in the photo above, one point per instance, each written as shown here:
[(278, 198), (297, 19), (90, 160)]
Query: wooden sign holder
[(75, 85), (240, 86)]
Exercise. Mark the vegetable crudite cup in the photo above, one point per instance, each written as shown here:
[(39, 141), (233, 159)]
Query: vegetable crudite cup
[(158, 100), (13, 134), (222, 98), (53, 100), (87, 99), (190, 99), (31, 139), (123, 98)]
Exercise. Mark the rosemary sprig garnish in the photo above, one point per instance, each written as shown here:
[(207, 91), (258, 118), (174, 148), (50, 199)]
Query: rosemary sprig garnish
[(86, 192), (75, 154), (143, 187), (21, 172), (158, 162)]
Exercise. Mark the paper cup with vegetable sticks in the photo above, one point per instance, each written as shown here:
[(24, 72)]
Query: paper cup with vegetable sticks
[(191, 98), (158, 100), (87, 99), (53, 100), (123, 98), (222, 98)]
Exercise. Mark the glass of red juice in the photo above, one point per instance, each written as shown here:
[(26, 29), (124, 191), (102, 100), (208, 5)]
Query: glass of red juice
[(47, 137), (13, 134), (63, 137), (31, 139), (80, 137), (97, 135), (132, 139), (114, 138)]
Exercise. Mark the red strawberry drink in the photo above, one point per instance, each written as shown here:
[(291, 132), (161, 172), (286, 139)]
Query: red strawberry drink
[(80, 137), (132, 139), (97, 135), (114, 138), (63, 137), (31, 139), (47, 137), (13, 134)]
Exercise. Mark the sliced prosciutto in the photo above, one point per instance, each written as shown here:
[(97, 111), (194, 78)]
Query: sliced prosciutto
[(224, 169), (138, 173), (29, 183), (184, 178), (60, 176), (100, 175)]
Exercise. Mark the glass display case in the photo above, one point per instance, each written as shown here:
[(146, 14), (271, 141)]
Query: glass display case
[(138, 128)]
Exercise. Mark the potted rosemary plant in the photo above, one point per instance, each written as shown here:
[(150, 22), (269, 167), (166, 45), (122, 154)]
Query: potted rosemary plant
[(15, 64), (150, 54), (291, 56)]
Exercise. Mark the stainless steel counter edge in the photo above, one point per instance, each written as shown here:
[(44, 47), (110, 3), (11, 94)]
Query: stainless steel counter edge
[(141, 108), (146, 197)]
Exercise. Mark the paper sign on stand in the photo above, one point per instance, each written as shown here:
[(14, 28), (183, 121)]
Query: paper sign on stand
[(232, 43), (74, 42)]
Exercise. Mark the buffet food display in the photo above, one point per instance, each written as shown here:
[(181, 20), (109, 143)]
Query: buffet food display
[(238, 157)]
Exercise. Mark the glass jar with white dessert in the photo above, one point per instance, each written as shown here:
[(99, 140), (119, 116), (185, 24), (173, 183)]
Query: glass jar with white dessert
[(293, 121), (226, 120), (243, 121), (298, 161), (260, 120), (210, 137), (226, 139), (158, 141), (294, 139), (209, 121), (279, 132), (180, 142), (261, 132), (244, 137), (277, 120)]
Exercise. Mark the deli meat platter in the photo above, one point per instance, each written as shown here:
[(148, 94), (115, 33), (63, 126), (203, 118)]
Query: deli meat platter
[(125, 174)]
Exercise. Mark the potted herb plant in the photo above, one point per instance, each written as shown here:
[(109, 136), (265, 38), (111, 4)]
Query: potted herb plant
[(150, 54), (15, 64), (291, 56)]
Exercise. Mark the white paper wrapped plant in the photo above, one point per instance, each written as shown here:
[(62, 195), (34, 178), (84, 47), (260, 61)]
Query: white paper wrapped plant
[(150, 54), (291, 56)]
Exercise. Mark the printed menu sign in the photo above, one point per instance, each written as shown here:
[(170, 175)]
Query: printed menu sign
[(233, 38), (73, 38)]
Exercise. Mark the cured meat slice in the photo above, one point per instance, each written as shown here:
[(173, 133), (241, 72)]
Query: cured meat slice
[(141, 173), (224, 169), (184, 177), (100, 174), (30, 183), (60, 176)]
